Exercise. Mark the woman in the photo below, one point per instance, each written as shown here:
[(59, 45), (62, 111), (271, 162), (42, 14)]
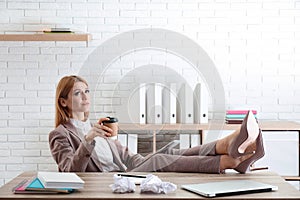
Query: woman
[(78, 146)]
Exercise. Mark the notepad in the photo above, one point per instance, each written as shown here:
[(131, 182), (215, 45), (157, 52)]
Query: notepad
[(232, 187), (60, 180)]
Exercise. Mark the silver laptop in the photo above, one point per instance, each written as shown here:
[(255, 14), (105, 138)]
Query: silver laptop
[(232, 187)]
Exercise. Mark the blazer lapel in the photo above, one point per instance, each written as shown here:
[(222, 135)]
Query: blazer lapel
[(72, 129)]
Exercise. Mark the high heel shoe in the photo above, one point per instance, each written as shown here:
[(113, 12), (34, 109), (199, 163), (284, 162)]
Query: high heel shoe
[(248, 134), (244, 166)]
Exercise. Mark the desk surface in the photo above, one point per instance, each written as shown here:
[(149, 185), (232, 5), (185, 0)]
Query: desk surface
[(97, 187)]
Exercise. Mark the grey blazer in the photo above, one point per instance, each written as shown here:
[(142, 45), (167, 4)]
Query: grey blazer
[(73, 154)]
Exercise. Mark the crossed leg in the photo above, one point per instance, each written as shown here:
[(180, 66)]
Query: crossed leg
[(243, 140), (213, 157)]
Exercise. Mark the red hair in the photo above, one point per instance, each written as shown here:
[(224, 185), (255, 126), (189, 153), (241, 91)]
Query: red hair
[(65, 85)]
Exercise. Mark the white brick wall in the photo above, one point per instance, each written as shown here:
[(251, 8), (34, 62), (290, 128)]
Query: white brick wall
[(255, 46)]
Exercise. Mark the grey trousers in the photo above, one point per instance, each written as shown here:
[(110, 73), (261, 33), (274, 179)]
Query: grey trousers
[(201, 159)]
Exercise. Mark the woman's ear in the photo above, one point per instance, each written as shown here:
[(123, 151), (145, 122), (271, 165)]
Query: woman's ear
[(62, 102)]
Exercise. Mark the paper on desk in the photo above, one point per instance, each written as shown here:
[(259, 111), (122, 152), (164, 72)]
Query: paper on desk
[(153, 184), (122, 184)]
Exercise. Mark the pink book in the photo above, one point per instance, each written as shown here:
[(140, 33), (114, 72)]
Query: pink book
[(239, 112)]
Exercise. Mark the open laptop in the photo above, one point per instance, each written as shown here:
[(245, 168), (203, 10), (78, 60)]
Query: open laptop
[(225, 188)]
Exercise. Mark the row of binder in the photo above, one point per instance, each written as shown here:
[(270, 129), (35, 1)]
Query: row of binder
[(155, 103)]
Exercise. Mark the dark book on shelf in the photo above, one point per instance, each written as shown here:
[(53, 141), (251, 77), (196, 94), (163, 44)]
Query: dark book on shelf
[(58, 30), (234, 121)]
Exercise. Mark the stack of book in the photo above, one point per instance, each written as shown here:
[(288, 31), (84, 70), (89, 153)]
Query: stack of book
[(49, 183), (237, 116)]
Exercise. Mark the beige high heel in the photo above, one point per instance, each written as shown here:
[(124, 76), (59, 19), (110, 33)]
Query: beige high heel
[(247, 135), (244, 166)]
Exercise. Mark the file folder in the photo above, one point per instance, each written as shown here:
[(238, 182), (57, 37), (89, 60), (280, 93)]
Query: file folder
[(200, 104), (132, 142), (122, 139), (154, 103), (132, 108), (142, 103), (184, 141), (195, 140), (158, 103), (185, 104), (169, 104)]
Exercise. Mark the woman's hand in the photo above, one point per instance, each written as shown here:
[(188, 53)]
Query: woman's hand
[(98, 130)]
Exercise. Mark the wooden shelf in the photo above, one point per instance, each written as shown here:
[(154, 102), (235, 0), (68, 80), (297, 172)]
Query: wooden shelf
[(46, 37), (216, 125)]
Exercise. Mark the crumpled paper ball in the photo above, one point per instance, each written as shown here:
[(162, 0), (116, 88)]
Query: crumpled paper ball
[(122, 185), (153, 184)]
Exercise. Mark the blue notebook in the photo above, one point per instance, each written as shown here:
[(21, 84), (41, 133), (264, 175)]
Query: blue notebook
[(36, 185)]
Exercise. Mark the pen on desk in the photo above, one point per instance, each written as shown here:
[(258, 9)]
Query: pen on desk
[(258, 168), (132, 175)]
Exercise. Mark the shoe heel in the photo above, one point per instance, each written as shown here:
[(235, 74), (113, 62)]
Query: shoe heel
[(244, 166), (243, 138)]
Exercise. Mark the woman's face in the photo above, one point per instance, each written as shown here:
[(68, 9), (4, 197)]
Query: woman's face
[(78, 99)]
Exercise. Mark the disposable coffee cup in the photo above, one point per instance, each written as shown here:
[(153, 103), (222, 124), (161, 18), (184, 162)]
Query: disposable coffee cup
[(113, 124)]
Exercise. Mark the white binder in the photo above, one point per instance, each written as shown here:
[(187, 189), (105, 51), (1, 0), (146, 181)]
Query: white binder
[(132, 142), (195, 140), (169, 104), (142, 103), (185, 105), (154, 103), (122, 139), (189, 140), (158, 103), (132, 108), (129, 140), (184, 141), (200, 104)]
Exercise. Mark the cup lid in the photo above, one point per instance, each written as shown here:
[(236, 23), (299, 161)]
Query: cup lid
[(111, 120)]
